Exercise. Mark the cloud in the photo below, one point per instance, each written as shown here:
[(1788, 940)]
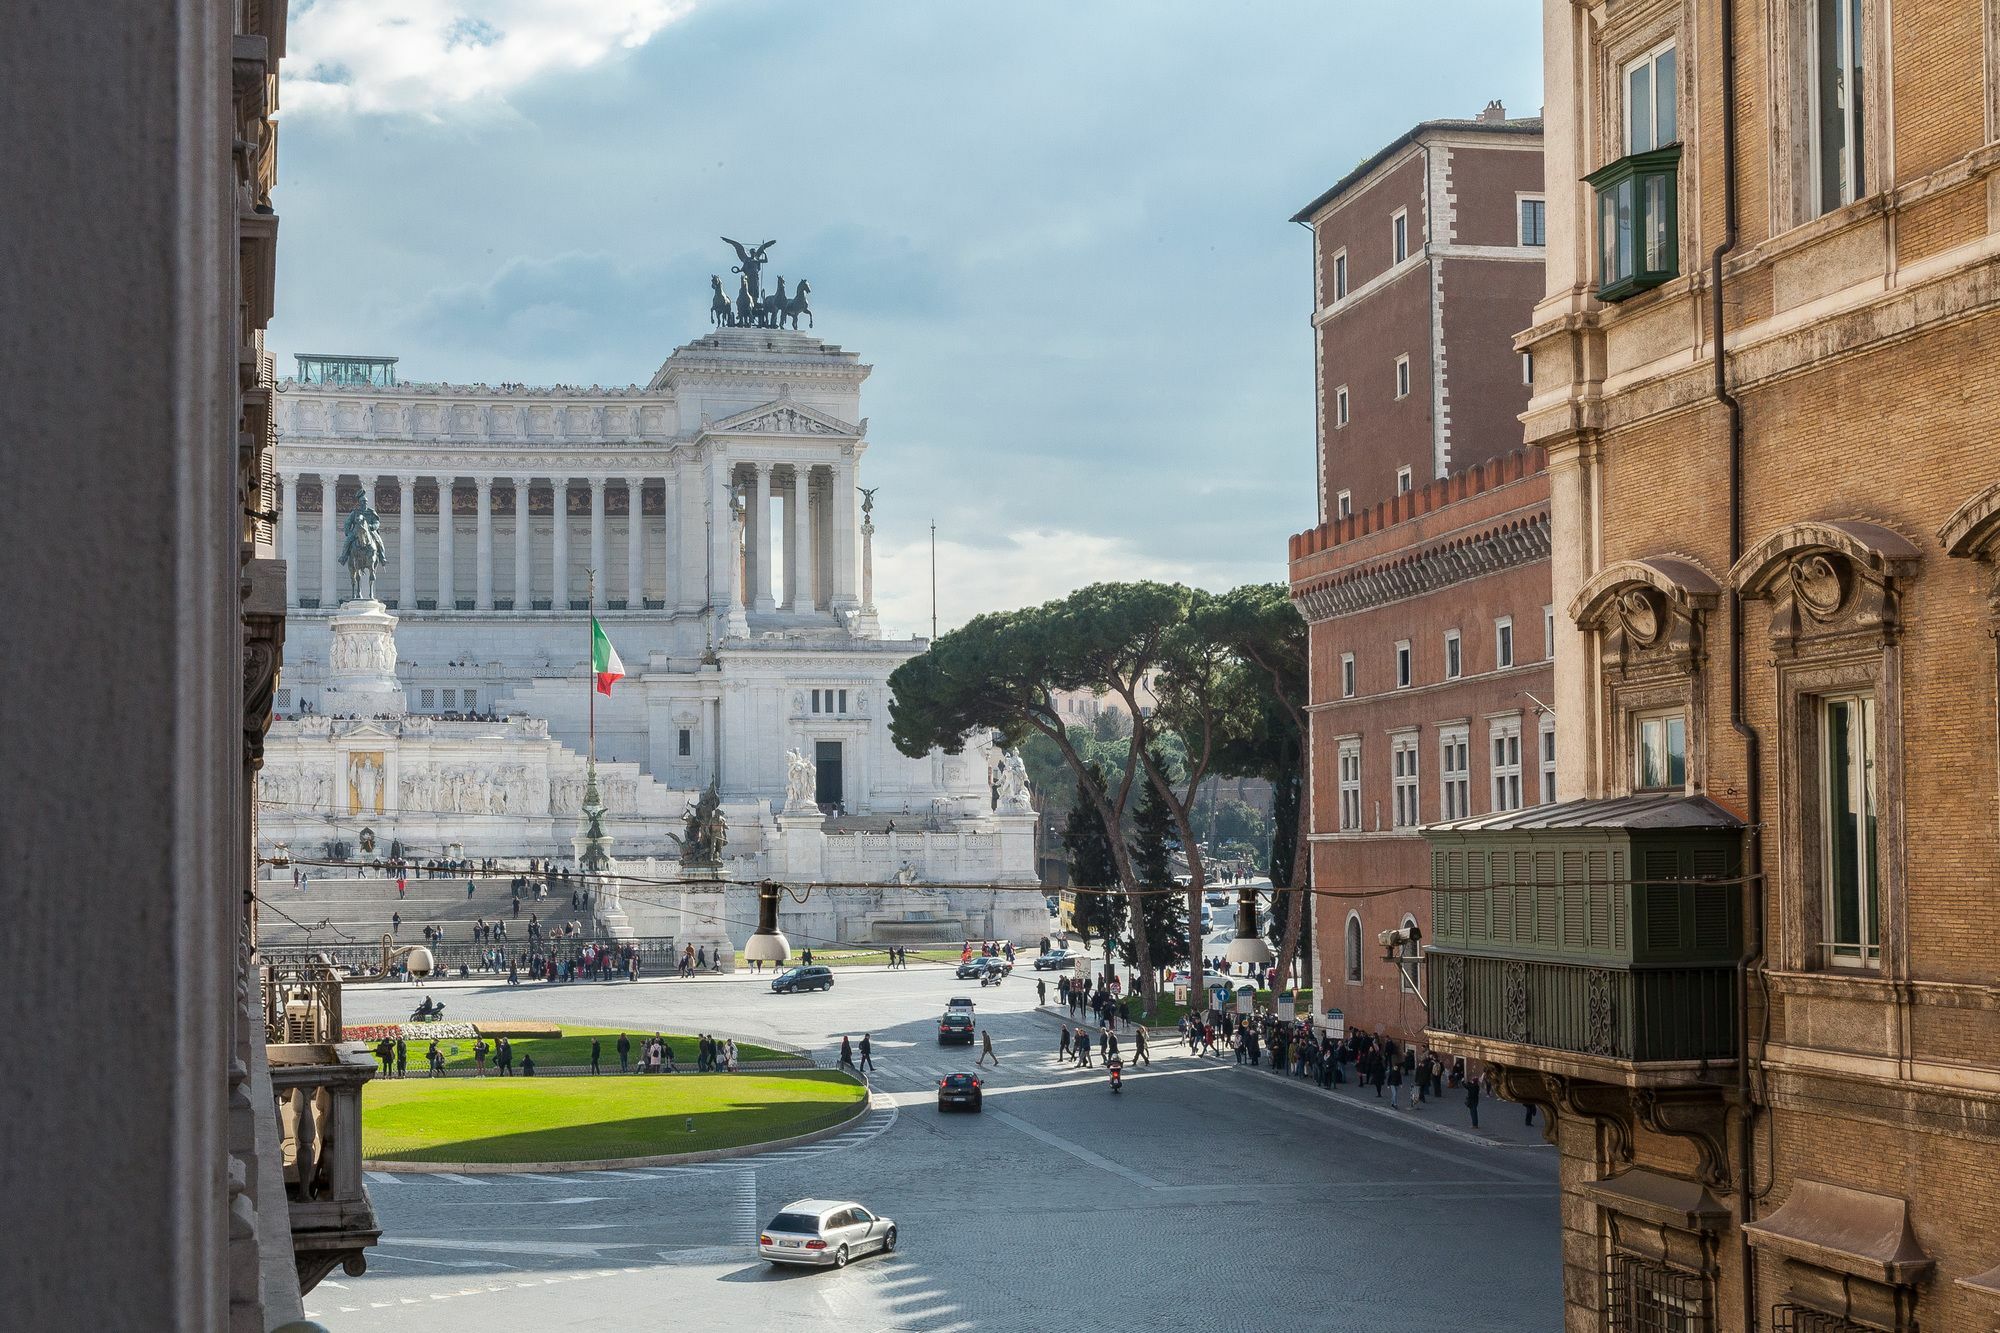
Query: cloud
[(389, 57), (1023, 568)]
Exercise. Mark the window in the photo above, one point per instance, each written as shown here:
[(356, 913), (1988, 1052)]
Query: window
[(1848, 809), (451, 698), (1548, 634), (1403, 664), (1455, 766), (841, 703), (1659, 751), (1403, 377), (472, 698), (1548, 737), (815, 701), (1528, 369), (1649, 100), (1347, 675), (1340, 406), (1343, 504), (1838, 174), (281, 700), (1534, 220), (1403, 772), (1340, 275), (1353, 949), (1507, 764), (1350, 786), (1647, 1297), (1403, 481), (1503, 642), (427, 698), (1399, 236), (1451, 654), (1406, 972), (684, 745)]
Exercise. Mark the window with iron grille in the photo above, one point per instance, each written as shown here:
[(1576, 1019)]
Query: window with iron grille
[(1645, 1297), (1799, 1319)]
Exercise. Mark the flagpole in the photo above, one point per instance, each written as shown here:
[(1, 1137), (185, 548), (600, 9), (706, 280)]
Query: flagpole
[(590, 658)]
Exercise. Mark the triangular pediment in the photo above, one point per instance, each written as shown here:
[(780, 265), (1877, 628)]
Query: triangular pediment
[(359, 732), (783, 416)]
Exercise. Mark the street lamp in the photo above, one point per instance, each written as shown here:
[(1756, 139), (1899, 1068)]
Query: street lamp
[(1249, 945), (767, 944)]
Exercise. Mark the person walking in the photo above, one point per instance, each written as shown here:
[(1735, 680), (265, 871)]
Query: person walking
[(402, 1057), (395, 923), (729, 1053), (596, 1049), (468, 890), (479, 1056), (1472, 1100), (1041, 992), (435, 1059), (846, 1053), (1062, 1050), (986, 1049), (867, 1052), (1140, 1055), (1395, 1085), (1082, 1047)]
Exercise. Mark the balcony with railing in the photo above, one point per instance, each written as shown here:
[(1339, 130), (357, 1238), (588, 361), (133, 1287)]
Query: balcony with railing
[(1595, 939), (316, 1081)]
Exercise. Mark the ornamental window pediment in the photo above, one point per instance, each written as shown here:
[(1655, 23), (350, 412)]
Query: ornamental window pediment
[(1651, 618), (1828, 579), (1973, 533)]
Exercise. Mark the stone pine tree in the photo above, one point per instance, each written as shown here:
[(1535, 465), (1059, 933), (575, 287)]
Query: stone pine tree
[(1093, 869), (1164, 910)]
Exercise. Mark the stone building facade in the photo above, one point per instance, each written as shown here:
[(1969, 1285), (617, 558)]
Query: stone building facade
[(148, 1180), (1425, 258), (1426, 580), (1745, 964)]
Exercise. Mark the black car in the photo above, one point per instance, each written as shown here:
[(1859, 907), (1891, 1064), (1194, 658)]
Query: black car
[(959, 1090), (1056, 960), (955, 1028), (802, 978), (973, 968)]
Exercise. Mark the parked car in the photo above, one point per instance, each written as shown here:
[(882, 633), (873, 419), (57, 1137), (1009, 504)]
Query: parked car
[(955, 1026), (959, 1090), (824, 1233), (1056, 960), (802, 978), (974, 968)]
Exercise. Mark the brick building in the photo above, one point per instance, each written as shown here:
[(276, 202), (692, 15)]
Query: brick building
[(1746, 963), (1426, 582), (1426, 259)]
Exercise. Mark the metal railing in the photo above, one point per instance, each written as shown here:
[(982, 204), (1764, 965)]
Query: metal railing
[(364, 957), (1638, 1014)]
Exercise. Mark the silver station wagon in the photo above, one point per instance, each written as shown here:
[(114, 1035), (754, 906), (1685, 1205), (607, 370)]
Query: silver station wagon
[(824, 1233)]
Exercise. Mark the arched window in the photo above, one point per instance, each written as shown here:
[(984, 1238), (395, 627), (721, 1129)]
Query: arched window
[(1407, 971), (1353, 947)]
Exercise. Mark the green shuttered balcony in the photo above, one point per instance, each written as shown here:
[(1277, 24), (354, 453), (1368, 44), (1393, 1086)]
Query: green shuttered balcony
[(1595, 938)]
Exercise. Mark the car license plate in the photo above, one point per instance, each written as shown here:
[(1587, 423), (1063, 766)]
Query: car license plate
[(788, 1244)]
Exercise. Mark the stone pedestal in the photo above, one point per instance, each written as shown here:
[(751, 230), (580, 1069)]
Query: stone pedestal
[(800, 847), (705, 913), (361, 667)]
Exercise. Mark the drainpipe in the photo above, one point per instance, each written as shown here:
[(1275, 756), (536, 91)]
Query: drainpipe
[(1753, 837)]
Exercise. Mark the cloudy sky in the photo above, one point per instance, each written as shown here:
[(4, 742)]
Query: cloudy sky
[(1057, 230)]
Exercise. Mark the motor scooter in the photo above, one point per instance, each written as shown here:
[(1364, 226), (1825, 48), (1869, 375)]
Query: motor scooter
[(1117, 1068), (430, 1011), (989, 977)]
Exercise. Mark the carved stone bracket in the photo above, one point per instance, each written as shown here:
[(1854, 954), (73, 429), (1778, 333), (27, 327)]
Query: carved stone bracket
[(263, 592), (1973, 533), (1699, 1115), (1530, 1087)]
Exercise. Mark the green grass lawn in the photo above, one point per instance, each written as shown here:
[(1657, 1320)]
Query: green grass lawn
[(1166, 1013), (573, 1048), (592, 1119)]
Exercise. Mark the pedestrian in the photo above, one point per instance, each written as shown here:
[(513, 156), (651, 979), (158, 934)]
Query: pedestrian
[(986, 1049), (402, 886), (846, 1053), (1140, 1055), (395, 923), (402, 1057), (528, 1065), (1395, 1084), (1041, 992), (435, 1059), (1082, 1047), (1472, 1100), (1062, 1050), (468, 890), (479, 1049), (596, 1049), (867, 1049)]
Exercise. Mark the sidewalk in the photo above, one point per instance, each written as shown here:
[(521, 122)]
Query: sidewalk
[(1501, 1123)]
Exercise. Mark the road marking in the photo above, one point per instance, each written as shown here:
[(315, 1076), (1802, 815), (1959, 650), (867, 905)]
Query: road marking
[(1076, 1150), (381, 1178), (746, 1207), (458, 1179)]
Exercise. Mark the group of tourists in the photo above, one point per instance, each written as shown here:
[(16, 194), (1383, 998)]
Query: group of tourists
[(1078, 996), (1075, 1045), (988, 949), (700, 958)]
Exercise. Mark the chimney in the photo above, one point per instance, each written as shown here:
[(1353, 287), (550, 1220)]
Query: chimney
[(1496, 111)]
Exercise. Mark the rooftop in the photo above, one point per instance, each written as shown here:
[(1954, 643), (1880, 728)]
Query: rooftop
[(1656, 812), (1526, 127)]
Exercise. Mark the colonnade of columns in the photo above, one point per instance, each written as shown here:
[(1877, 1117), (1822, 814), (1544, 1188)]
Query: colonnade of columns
[(816, 504)]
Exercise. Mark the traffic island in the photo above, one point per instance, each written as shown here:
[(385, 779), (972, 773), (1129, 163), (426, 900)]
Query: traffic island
[(536, 1124)]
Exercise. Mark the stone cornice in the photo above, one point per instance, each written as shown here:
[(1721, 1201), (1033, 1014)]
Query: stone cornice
[(1516, 542), (427, 458)]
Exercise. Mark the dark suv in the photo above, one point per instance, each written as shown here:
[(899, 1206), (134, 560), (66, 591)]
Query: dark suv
[(959, 1090), (802, 978), (955, 1028)]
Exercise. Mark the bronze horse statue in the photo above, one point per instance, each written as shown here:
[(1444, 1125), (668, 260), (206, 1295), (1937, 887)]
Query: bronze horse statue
[(795, 307), (719, 313)]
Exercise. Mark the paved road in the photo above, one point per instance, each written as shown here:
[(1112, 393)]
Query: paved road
[(1204, 1195)]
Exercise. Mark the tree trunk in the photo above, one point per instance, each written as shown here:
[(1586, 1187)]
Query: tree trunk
[(1299, 891)]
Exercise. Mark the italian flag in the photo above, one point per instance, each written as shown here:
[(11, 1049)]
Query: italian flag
[(604, 659)]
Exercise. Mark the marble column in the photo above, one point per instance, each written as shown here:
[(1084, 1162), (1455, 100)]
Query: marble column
[(635, 549), (690, 503), (484, 587), (722, 554), (406, 543), (524, 592), (801, 542), (597, 542), (329, 543), (559, 551), (288, 535), (447, 597), (760, 516), (843, 535), (670, 536)]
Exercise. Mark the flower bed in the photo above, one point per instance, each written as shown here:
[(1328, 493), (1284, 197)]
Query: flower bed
[(374, 1032)]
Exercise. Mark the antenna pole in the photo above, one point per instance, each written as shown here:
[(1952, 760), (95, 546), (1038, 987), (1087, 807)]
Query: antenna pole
[(933, 580)]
